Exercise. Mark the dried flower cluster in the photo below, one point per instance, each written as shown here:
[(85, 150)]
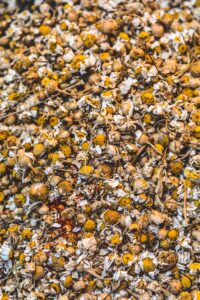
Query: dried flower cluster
[(99, 149)]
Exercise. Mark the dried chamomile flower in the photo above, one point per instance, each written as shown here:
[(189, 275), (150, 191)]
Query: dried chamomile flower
[(55, 288), (125, 202), (44, 29), (182, 48), (148, 265), (173, 234), (26, 234), (39, 272), (58, 262), (176, 167), (196, 132), (53, 121), (175, 286), (127, 258), (115, 239), (99, 139), (38, 190), (147, 97), (196, 117), (185, 296), (2, 168), (186, 282), (86, 170), (40, 258), (89, 225), (89, 40), (64, 187), (2, 196), (19, 200), (111, 217), (38, 150), (195, 69), (68, 281), (157, 30), (66, 150), (140, 185), (144, 35), (108, 26), (147, 118)]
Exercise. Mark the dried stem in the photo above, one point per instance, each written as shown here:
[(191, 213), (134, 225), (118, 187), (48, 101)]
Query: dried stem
[(152, 146), (93, 273), (185, 202), (139, 153)]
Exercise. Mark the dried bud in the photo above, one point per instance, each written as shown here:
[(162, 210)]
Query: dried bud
[(38, 150), (143, 139), (157, 217), (39, 272), (170, 66), (108, 26), (195, 69), (64, 187), (196, 234), (112, 150), (127, 107), (38, 190), (162, 234), (171, 205), (175, 286), (43, 210), (24, 161), (140, 185), (79, 285), (167, 260), (86, 296), (157, 30)]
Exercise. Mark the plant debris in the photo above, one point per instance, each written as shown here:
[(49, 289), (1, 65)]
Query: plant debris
[(99, 149)]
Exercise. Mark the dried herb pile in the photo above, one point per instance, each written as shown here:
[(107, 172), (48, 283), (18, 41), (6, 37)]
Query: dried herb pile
[(99, 150)]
